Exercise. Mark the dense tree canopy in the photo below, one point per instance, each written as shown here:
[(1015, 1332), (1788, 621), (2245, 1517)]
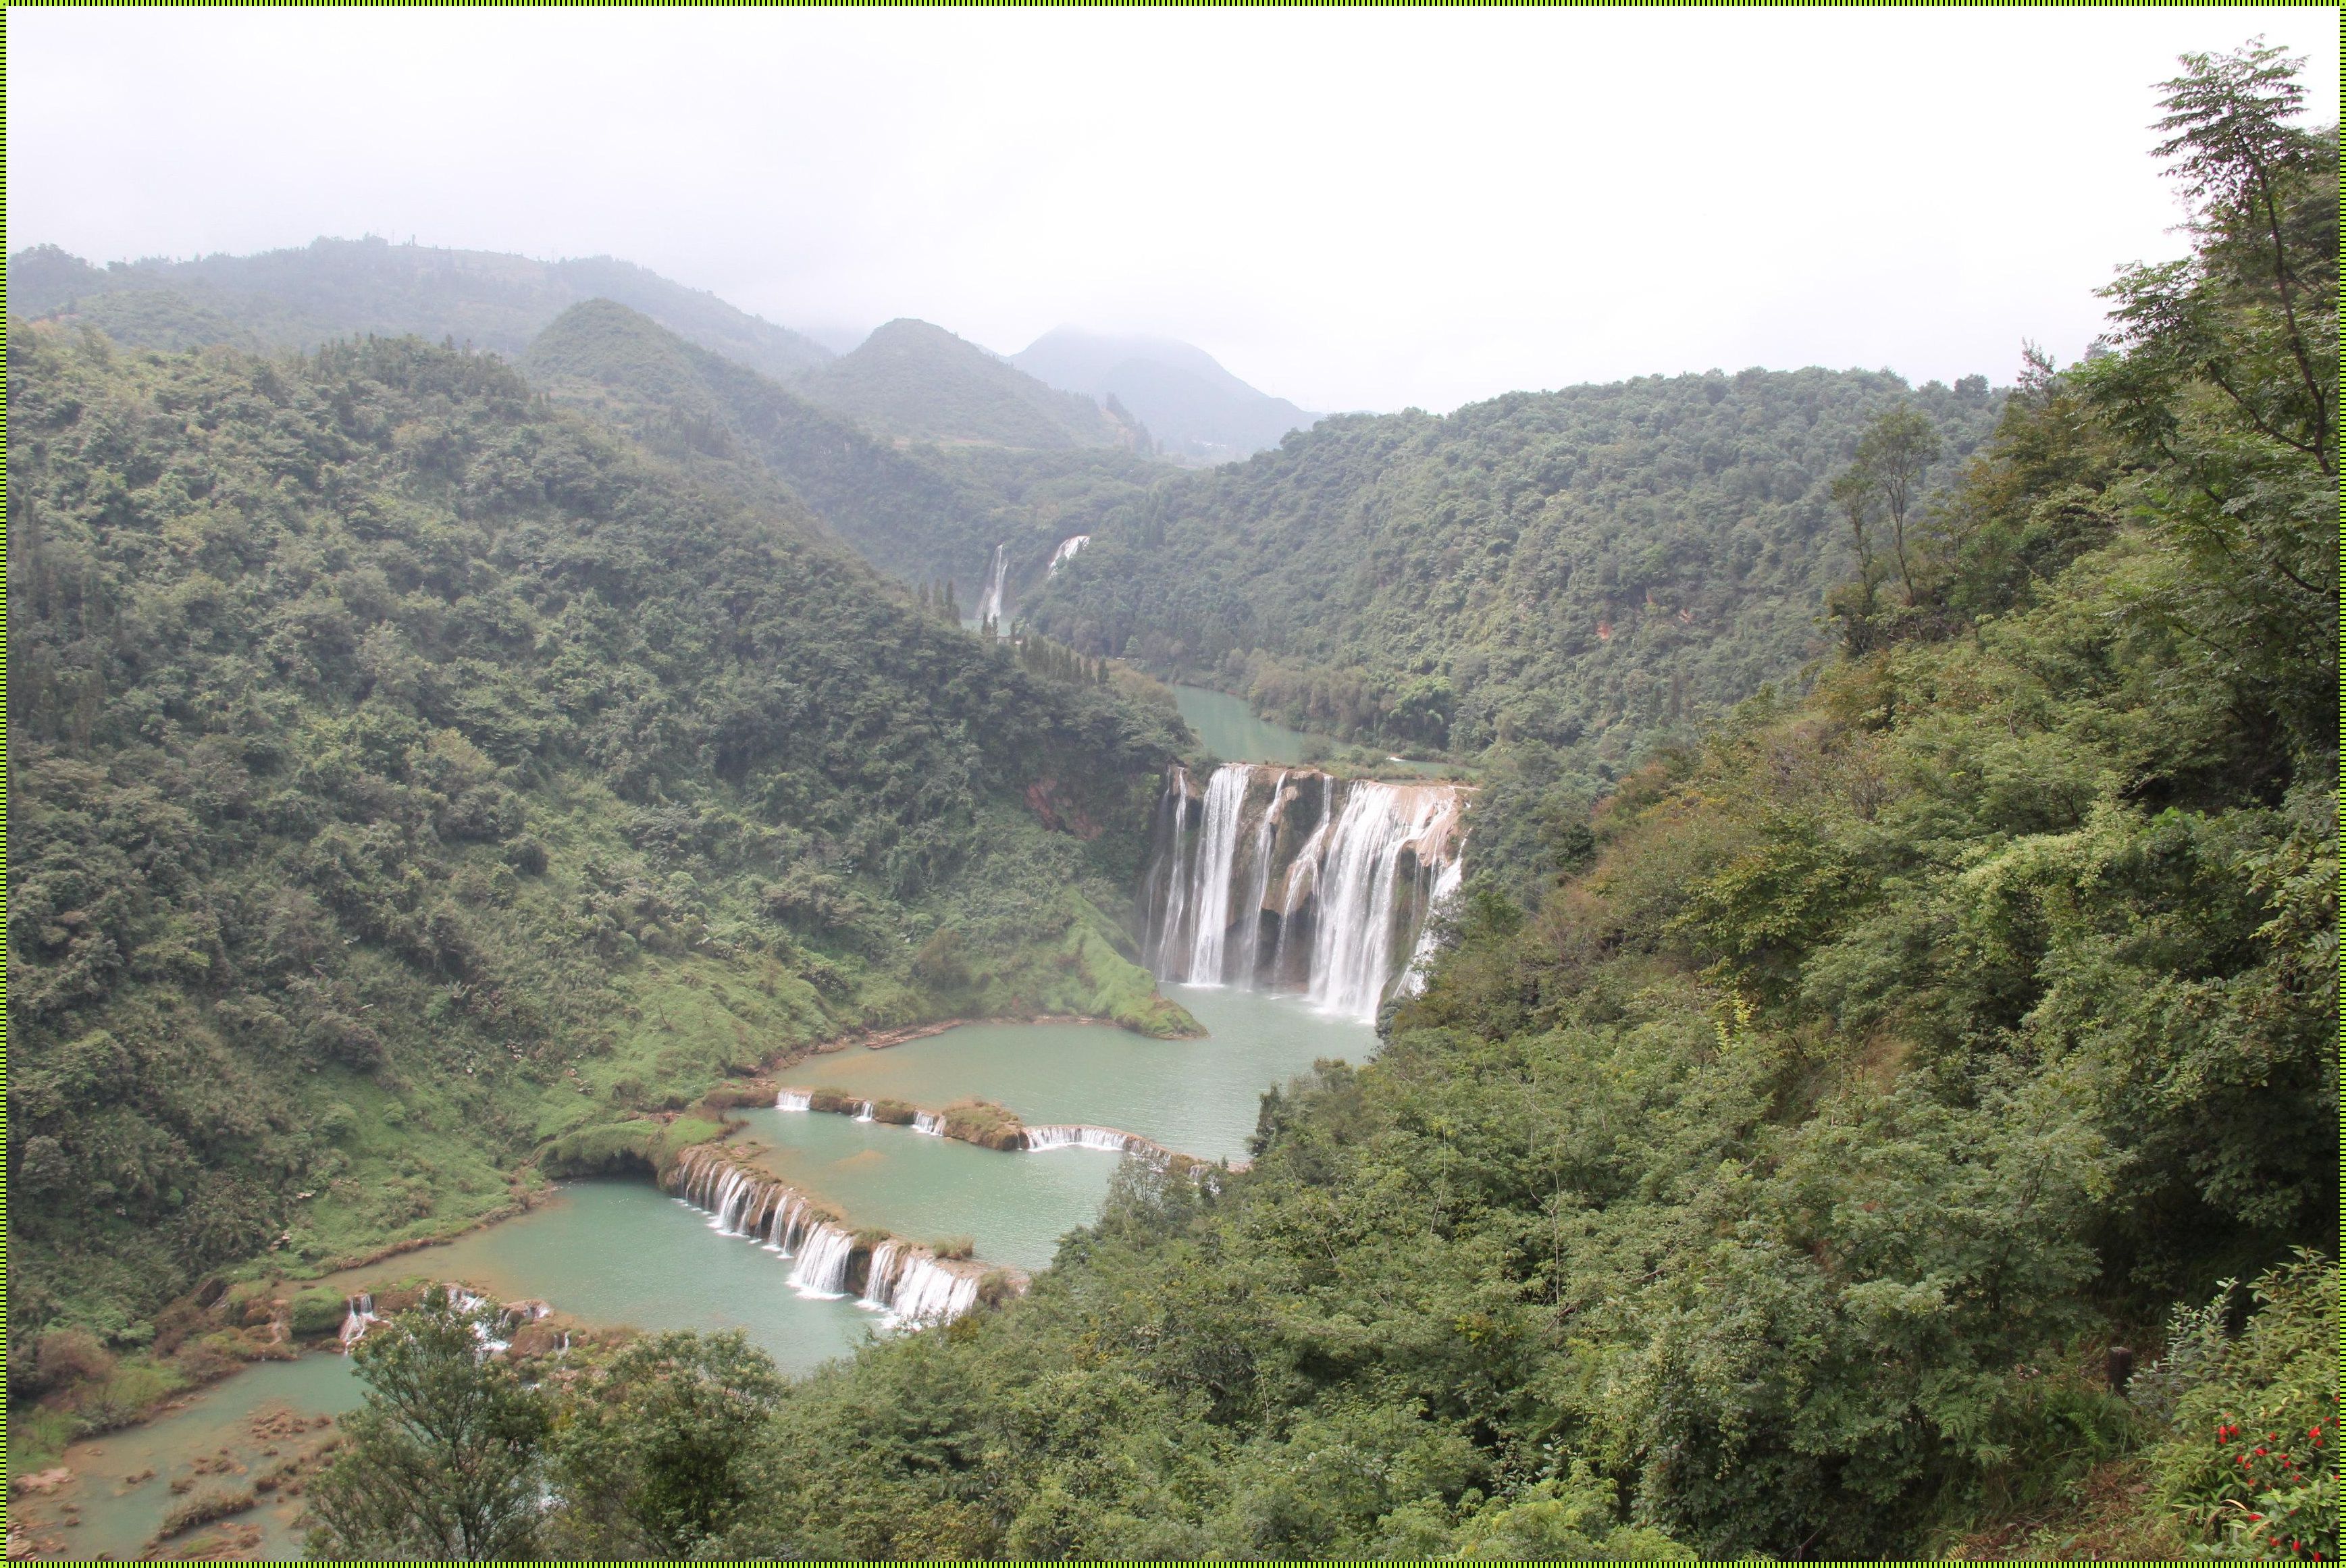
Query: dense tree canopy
[(404, 774)]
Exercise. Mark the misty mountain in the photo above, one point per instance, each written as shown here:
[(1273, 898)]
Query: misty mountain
[(1194, 408), (747, 432), (332, 289), (911, 378)]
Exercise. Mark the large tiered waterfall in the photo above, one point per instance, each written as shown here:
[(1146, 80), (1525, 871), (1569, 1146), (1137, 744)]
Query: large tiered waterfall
[(1291, 879)]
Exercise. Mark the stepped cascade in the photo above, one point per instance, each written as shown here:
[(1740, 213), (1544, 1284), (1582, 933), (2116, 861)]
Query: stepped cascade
[(1068, 551), (908, 1284), (1283, 879)]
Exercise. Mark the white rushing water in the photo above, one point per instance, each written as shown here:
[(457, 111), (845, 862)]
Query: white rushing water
[(906, 1284), (1068, 551), (865, 1113), (1445, 886), (794, 1100), (823, 1261), (1218, 843), (929, 1122), (1043, 1139), (997, 581), (1358, 891)]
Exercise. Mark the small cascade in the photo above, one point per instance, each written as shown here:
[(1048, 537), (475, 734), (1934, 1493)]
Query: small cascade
[(1342, 872), (865, 1113), (358, 1315), (929, 1122), (794, 1100), (822, 1260), (880, 1277), (744, 1202), (914, 1289), (997, 580), (1043, 1139), (1068, 551)]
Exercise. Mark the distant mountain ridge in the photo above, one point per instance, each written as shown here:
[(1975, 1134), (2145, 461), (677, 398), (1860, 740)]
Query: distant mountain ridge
[(332, 289), (918, 381), (1194, 408)]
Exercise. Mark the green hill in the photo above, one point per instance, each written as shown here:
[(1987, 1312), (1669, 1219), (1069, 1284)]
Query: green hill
[(1907, 1130), (1569, 577), (407, 774), (922, 514), (911, 379), (334, 288)]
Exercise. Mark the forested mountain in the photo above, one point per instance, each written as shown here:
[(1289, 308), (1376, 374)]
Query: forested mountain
[(407, 776), (913, 379), (1194, 409), (923, 515), (1783, 1181), (1580, 568), (333, 289)]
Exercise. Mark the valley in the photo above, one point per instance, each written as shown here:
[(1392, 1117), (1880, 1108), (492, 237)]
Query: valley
[(632, 938)]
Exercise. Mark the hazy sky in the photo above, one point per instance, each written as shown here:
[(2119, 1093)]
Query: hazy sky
[(1353, 209)]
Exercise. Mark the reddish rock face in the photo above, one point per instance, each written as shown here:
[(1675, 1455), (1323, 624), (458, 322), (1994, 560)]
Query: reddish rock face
[(1058, 814)]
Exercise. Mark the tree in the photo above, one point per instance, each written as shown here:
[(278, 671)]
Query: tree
[(648, 1460), (2223, 385), (441, 1460), (1891, 457)]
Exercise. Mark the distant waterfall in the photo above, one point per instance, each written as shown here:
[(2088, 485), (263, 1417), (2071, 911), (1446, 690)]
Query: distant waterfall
[(794, 1100), (1342, 872), (997, 580), (929, 1122), (865, 1113), (1068, 551), (358, 1316)]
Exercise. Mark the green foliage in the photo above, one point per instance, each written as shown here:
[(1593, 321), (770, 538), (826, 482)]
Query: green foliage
[(2252, 1463), (922, 514), (1592, 569), (1760, 1172), (649, 1451), (442, 1460), (406, 774)]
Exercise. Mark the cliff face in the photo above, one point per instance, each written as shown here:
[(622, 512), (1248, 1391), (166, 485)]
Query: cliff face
[(1291, 878)]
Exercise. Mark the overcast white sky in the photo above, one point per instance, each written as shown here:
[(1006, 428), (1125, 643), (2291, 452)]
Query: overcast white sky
[(1353, 209)]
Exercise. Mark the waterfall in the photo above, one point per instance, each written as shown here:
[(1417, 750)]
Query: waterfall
[(929, 1122), (1445, 884), (1266, 836), (880, 1276), (913, 1289), (1068, 551), (1218, 846), (1351, 962), (928, 1292), (794, 1100), (865, 1113), (1350, 902), (989, 606), (1167, 927), (822, 1260), (909, 1286), (358, 1314), (1043, 1139)]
